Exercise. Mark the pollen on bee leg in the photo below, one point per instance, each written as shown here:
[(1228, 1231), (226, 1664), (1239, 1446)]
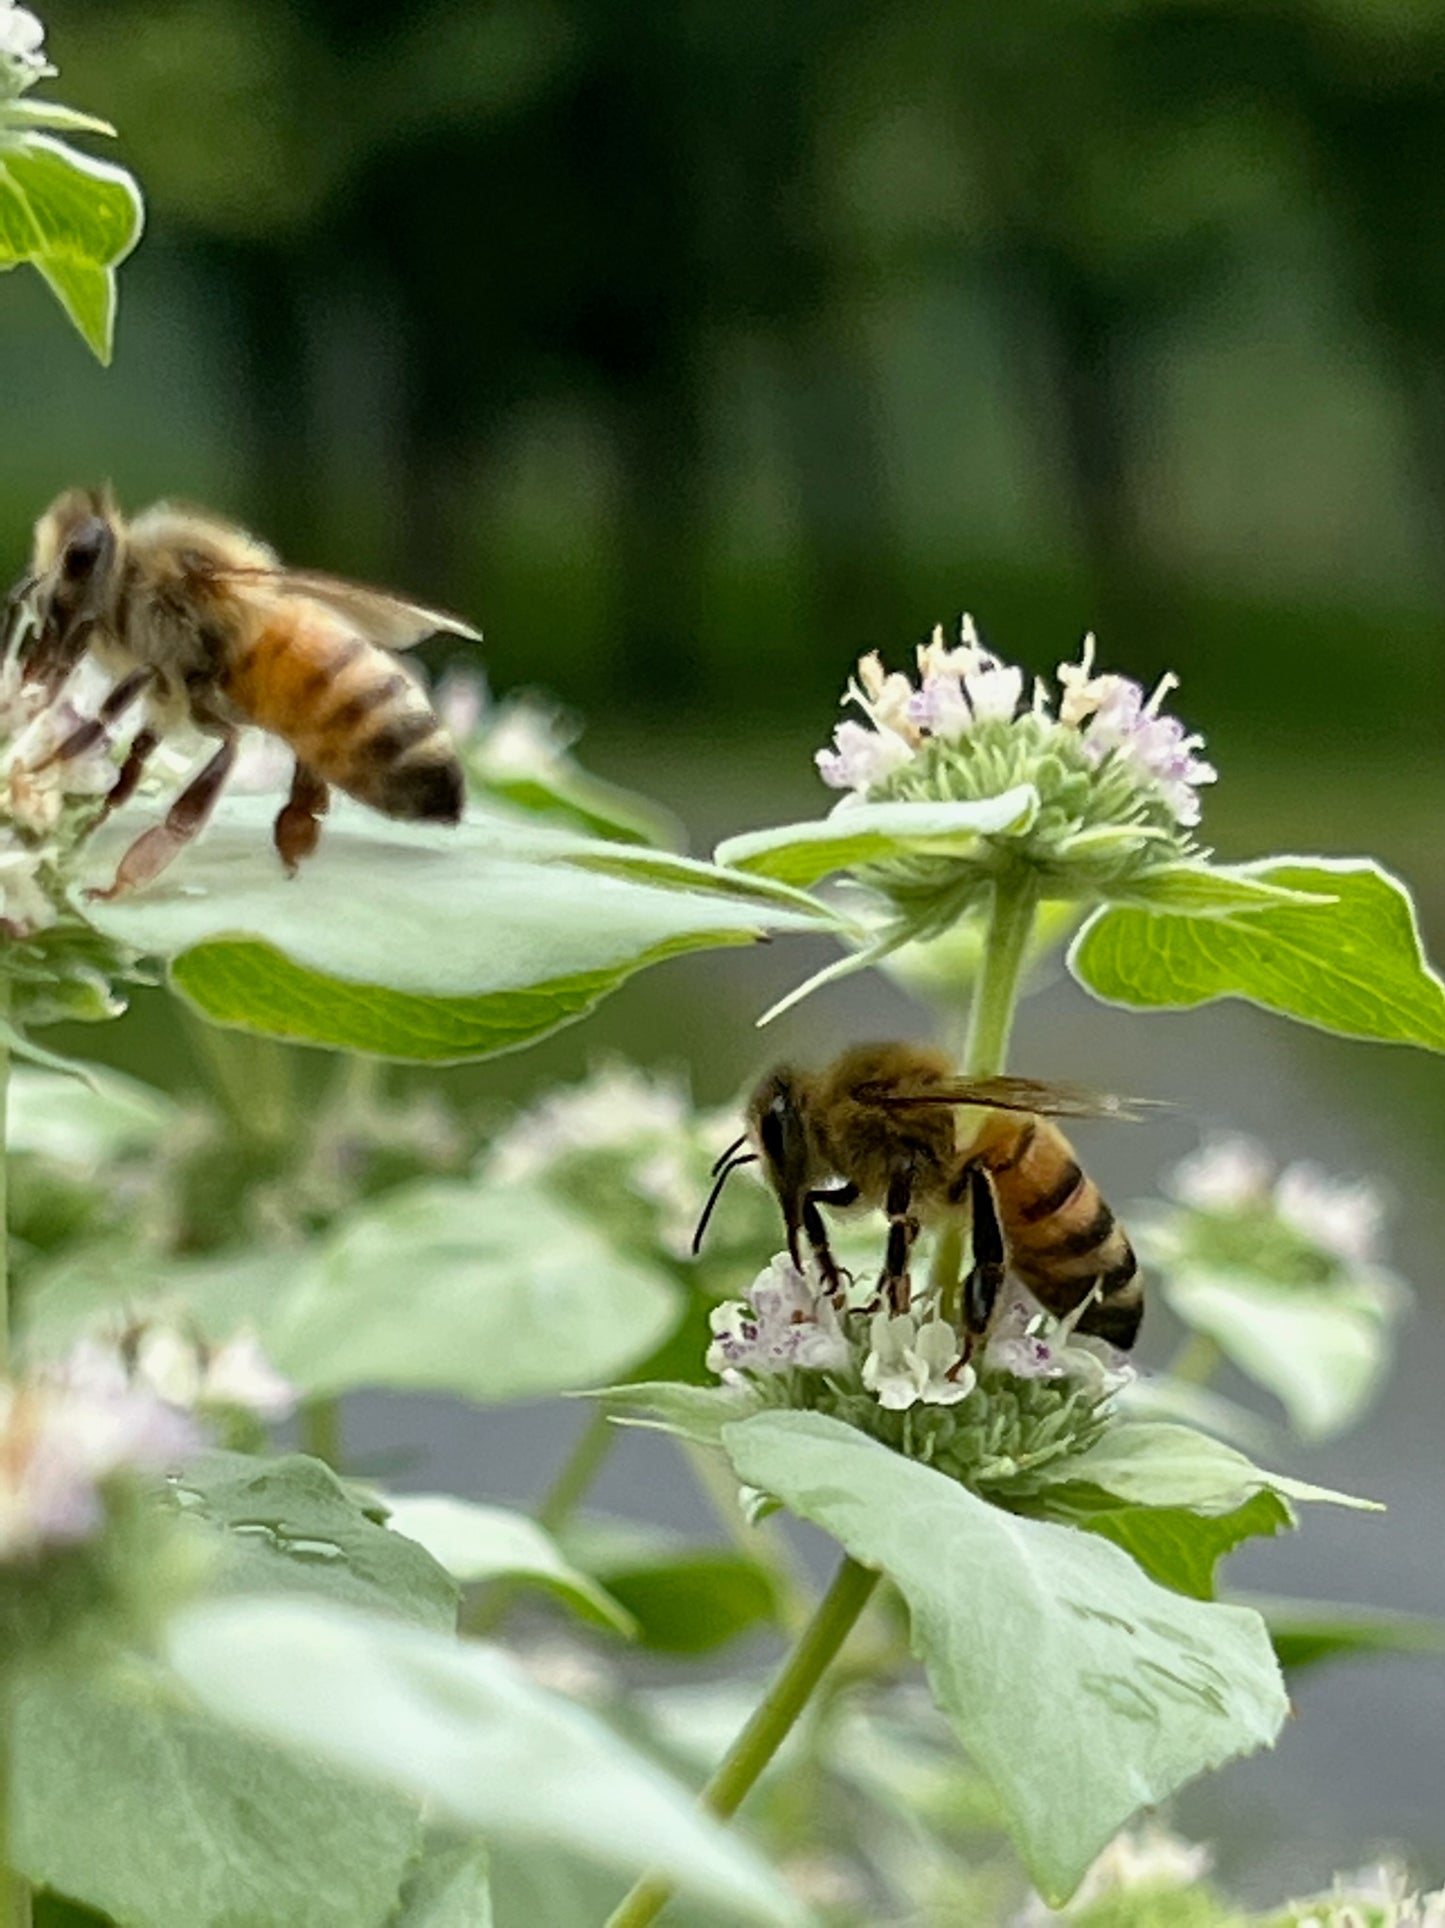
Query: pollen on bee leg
[(297, 830)]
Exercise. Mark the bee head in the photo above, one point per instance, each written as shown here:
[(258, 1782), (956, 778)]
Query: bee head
[(778, 1128), (73, 569)]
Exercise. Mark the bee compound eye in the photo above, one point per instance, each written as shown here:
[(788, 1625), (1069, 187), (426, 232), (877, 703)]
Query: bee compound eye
[(84, 549), (771, 1132)]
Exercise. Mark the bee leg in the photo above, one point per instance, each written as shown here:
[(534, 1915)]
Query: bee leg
[(990, 1261), (86, 735), (832, 1274), (151, 852), (902, 1231), (130, 771), (298, 828)]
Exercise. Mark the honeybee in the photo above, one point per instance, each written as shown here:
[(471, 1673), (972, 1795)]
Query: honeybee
[(200, 623), (886, 1125)]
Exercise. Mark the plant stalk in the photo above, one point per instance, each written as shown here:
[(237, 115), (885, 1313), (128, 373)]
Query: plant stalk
[(990, 1020), (561, 1500), (771, 1722), (991, 1015), (320, 1424)]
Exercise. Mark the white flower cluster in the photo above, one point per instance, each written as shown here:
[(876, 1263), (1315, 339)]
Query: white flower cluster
[(645, 1119), (64, 1436), (1231, 1175), (519, 738), (159, 1360), (22, 48), (37, 795), (1378, 1897), (784, 1325), (905, 1359), (1104, 721), (1148, 1859)]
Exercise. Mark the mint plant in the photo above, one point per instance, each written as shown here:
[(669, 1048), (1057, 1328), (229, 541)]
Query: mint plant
[(232, 1682)]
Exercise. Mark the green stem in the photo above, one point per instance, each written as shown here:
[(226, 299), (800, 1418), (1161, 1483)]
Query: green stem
[(771, 1722), (321, 1430), (577, 1472), (559, 1503), (990, 1020), (991, 1016)]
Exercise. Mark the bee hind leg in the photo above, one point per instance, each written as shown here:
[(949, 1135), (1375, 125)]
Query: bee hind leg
[(130, 771), (297, 829), (990, 1261), (832, 1273), (187, 816), (903, 1228)]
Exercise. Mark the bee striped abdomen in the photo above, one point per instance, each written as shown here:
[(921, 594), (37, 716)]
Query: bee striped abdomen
[(1062, 1235), (350, 714)]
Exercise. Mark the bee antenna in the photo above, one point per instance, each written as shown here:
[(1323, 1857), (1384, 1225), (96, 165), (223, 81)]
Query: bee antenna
[(723, 1175), (736, 1145)]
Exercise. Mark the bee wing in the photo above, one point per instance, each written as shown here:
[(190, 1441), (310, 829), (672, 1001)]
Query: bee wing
[(1044, 1099), (382, 618)]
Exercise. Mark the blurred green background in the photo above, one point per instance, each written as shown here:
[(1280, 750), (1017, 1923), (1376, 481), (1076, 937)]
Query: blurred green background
[(692, 349)]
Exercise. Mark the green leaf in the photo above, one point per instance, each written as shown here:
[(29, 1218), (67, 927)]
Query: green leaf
[(148, 1808), (460, 1727), (1047, 1649), (136, 1802), (1307, 1631), (28, 113), (1322, 1350), (1354, 966), (450, 1888), (1175, 1546), (418, 942), (290, 1525), (20, 1046), (1149, 1462), (478, 1543), (1213, 890), (72, 217), (698, 1413), (498, 1292), (682, 1599), (855, 835)]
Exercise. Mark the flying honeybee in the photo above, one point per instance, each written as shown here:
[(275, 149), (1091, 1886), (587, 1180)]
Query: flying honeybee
[(200, 623), (886, 1125)]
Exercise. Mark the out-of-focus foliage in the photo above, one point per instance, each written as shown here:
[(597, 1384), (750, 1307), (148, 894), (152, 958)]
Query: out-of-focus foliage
[(676, 346)]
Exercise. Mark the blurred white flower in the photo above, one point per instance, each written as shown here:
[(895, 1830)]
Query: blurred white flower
[(1342, 1216), (784, 1325), (1226, 1174), (163, 1361), (63, 1437), (1139, 1858), (618, 1108), (914, 1361), (22, 45)]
